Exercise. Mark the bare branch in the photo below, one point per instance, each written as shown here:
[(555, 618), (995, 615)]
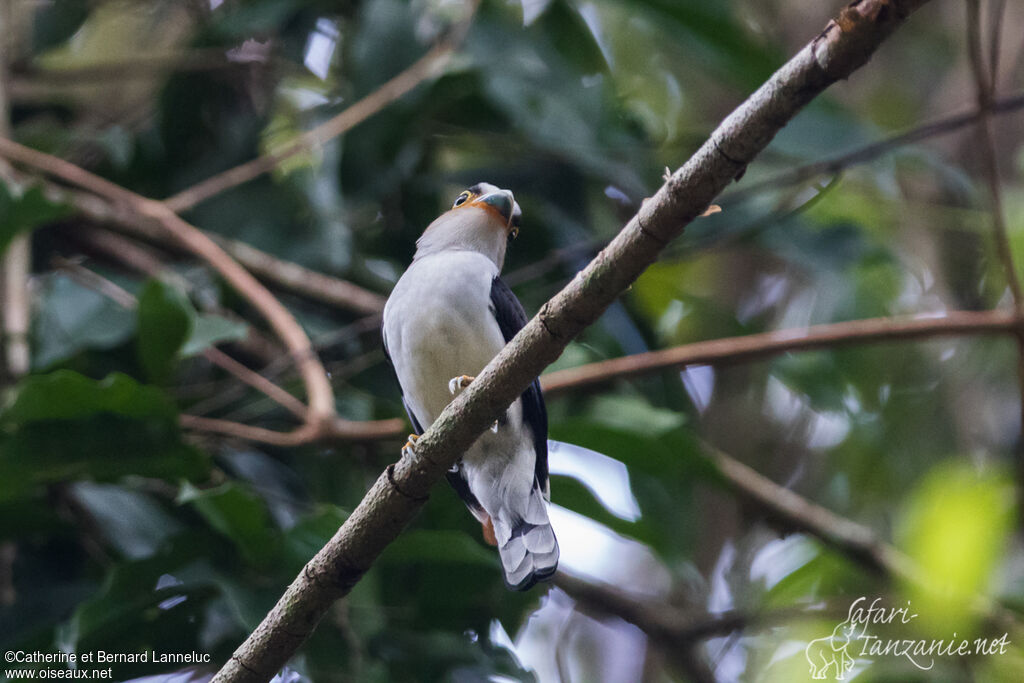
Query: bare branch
[(16, 264), (300, 280), (140, 66), (337, 429), (874, 150), (797, 513), (764, 344), (675, 630), (321, 396), (845, 45), (987, 146), (984, 81), (291, 277), (127, 300)]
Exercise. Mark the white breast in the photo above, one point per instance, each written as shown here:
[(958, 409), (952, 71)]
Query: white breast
[(438, 325)]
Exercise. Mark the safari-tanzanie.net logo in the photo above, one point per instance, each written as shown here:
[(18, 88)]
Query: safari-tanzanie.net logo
[(834, 656)]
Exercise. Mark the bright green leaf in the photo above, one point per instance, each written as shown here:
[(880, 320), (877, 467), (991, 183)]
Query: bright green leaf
[(954, 529), (237, 514)]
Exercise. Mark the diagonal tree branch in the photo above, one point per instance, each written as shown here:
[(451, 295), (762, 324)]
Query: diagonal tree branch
[(321, 397), (222, 360), (766, 344), (321, 421), (879, 148), (676, 631), (845, 44), (291, 277)]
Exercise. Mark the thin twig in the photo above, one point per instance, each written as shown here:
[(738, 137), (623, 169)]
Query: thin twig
[(90, 279), (128, 253), (984, 82), (793, 176), (335, 430), (792, 512), (136, 258), (671, 628), (318, 388), (874, 150), (16, 264), (995, 34), (722, 351), (139, 66), (256, 381), (796, 513), (988, 151), (300, 280), (422, 69), (291, 277), (764, 344), (126, 299)]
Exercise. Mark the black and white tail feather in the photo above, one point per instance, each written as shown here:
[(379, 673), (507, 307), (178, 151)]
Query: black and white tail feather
[(526, 543)]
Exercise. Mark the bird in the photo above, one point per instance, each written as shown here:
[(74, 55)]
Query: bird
[(448, 315)]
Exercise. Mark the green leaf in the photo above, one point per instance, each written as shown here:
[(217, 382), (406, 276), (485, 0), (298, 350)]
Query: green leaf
[(130, 521), (166, 319), (67, 395), (53, 23), (71, 318), (956, 530), (25, 212), (238, 515), (151, 604), (64, 425), (101, 448), (209, 330), (307, 537)]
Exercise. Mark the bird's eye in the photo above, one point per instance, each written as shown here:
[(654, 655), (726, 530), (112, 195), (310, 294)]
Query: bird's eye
[(462, 198)]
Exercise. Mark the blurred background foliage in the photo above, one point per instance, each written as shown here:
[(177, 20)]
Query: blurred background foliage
[(121, 532)]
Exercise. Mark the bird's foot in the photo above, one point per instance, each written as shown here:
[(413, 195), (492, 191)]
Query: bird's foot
[(457, 384), (409, 449)]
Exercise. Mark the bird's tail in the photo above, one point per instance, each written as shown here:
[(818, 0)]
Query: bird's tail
[(526, 543)]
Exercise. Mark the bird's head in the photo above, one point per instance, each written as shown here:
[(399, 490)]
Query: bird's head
[(483, 218)]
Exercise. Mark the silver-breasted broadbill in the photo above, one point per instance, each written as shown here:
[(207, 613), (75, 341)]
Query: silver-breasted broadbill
[(448, 316)]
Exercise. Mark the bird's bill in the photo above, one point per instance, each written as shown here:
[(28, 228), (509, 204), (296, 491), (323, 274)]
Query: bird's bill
[(500, 203)]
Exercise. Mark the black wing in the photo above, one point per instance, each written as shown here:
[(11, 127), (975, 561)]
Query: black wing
[(511, 318)]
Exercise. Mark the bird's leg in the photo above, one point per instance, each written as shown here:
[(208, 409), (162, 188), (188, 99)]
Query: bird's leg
[(488, 527), (457, 384), (409, 449)]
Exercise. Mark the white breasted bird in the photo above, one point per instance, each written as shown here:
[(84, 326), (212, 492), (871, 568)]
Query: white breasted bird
[(448, 316)]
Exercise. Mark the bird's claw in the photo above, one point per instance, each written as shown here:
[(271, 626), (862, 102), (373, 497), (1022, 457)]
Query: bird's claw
[(409, 449), (457, 384)]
